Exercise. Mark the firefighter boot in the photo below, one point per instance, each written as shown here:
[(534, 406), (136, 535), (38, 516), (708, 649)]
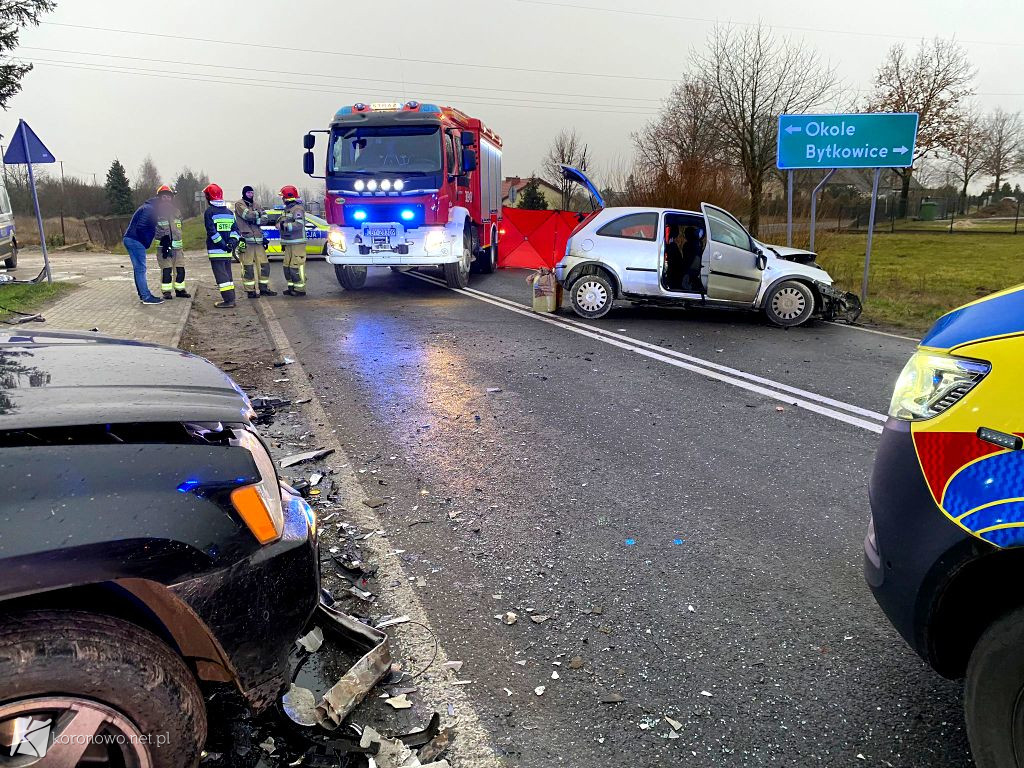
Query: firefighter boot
[(165, 283), (179, 284), (265, 280)]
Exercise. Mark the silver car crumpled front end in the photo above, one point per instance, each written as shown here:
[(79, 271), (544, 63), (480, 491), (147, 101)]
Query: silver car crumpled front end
[(838, 305)]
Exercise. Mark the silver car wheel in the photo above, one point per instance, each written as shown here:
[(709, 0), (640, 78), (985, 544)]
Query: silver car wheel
[(789, 303), (591, 295), (70, 731)]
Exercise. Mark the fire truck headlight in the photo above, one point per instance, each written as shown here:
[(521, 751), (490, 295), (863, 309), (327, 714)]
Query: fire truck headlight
[(360, 185), (385, 184), (337, 239), (434, 241), (399, 185), (372, 185)]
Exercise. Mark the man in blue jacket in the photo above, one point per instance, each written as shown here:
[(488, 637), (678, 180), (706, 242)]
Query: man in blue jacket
[(137, 238)]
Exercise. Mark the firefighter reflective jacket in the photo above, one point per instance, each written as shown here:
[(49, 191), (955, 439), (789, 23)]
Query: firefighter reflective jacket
[(221, 232), (168, 223), (292, 223), (247, 217)]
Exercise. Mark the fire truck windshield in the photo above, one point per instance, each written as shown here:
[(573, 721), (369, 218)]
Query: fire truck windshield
[(383, 149)]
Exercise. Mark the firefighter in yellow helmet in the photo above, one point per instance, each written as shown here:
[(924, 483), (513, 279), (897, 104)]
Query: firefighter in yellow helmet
[(255, 267), (169, 255), (292, 226)]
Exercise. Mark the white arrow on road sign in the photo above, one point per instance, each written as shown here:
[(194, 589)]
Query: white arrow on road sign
[(793, 129), (900, 150)]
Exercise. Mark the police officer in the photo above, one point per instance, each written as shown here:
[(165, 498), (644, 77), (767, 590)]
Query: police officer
[(169, 253), (221, 238), (253, 247), (292, 226)]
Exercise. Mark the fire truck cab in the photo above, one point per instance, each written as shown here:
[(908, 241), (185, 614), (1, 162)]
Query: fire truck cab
[(409, 185)]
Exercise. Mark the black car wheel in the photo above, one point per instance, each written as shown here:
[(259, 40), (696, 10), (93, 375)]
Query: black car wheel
[(350, 278), (11, 262), (592, 296), (93, 690), (789, 303), (994, 694)]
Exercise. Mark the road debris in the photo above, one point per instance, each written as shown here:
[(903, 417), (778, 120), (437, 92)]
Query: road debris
[(493, 390), (399, 702), (612, 698), (539, 690), (676, 725), (510, 618), (282, 363), (539, 618), (312, 640), (576, 662), (706, 693), (554, 675), (453, 665), (374, 502), (301, 458), (299, 705)]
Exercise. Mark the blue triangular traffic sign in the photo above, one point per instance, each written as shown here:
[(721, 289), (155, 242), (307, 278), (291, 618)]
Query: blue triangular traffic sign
[(37, 151)]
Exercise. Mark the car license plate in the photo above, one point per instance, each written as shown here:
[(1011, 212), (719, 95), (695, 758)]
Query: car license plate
[(382, 232)]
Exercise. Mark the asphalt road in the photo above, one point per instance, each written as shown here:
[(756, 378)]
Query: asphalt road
[(687, 528)]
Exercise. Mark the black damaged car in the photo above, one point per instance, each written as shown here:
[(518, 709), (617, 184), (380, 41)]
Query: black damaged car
[(148, 554)]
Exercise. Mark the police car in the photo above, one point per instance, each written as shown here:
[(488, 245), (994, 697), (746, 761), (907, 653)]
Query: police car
[(316, 233), (944, 552)]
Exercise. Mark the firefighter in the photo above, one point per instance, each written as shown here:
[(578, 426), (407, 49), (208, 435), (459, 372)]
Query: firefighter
[(169, 253), (292, 226), (221, 238), (253, 247)]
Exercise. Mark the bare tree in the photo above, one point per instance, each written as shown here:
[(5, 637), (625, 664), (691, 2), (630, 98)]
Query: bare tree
[(933, 83), (966, 153), (686, 131), (1004, 154), (753, 77), (147, 179), (566, 149)]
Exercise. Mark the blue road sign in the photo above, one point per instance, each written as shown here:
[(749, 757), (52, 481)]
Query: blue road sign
[(25, 147), (856, 140)]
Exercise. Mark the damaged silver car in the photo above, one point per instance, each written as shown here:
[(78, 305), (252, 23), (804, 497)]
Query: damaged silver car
[(685, 258)]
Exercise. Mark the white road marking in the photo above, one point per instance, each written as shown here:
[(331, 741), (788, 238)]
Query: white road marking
[(872, 330), (802, 399)]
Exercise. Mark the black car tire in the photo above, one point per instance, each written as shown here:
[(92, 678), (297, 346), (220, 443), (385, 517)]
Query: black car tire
[(100, 658), (789, 303), (994, 694), (350, 278), (11, 262), (592, 296)]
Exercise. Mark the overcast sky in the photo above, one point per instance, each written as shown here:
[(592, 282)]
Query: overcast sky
[(526, 67)]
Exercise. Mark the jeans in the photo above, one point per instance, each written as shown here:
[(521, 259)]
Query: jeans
[(137, 253)]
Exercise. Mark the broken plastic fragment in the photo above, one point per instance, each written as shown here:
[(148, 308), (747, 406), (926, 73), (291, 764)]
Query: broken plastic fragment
[(393, 621), (676, 725), (300, 705), (539, 618), (554, 675), (300, 458), (706, 693), (399, 702), (539, 690), (510, 618), (454, 665), (612, 698), (312, 640)]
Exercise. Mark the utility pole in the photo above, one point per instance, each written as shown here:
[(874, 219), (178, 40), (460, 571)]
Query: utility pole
[(63, 234)]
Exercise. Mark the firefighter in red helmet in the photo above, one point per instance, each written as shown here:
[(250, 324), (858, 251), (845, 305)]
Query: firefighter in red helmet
[(221, 238), (292, 227)]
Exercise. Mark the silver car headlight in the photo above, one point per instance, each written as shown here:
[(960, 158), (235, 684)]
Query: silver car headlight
[(931, 382)]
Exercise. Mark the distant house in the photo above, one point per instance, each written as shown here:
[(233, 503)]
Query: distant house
[(512, 186), (860, 179)]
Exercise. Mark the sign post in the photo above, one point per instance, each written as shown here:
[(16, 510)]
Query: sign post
[(25, 149), (854, 140)]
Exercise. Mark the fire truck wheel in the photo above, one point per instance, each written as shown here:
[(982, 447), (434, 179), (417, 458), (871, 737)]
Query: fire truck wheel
[(457, 275), (487, 259), (350, 278)]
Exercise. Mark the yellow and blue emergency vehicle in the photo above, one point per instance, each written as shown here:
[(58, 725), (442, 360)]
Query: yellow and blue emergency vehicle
[(944, 553), (316, 233)]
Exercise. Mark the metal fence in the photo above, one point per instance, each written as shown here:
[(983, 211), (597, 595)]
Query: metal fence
[(930, 215), (107, 230)]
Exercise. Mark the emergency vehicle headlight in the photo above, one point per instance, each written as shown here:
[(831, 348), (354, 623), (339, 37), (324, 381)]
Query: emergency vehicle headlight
[(337, 238), (360, 185), (385, 184), (399, 185), (932, 382), (371, 185), (434, 241)]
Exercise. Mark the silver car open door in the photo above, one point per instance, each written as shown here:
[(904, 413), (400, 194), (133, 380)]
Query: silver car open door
[(734, 273)]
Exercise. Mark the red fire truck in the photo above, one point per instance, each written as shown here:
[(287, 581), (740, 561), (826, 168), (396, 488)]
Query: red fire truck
[(409, 185)]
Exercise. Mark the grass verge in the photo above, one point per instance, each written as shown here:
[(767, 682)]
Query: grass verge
[(916, 278), (28, 297)]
